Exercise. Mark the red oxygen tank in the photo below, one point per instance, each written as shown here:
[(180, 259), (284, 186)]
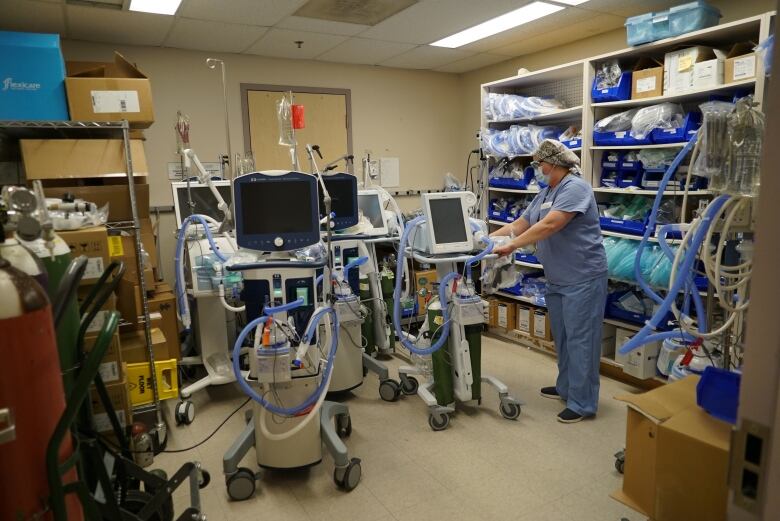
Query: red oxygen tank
[(31, 390)]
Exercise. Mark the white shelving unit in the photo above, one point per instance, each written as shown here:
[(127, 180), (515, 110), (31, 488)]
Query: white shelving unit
[(571, 83)]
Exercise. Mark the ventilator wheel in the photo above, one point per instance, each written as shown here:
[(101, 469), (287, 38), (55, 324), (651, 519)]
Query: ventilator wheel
[(439, 421), (136, 500), (365, 371), (510, 410), (185, 412), (343, 425), (204, 479), (620, 461), (241, 485), (409, 385), (389, 390), (348, 477)]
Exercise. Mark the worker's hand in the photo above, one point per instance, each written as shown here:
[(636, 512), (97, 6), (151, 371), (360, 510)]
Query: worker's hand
[(505, 249)]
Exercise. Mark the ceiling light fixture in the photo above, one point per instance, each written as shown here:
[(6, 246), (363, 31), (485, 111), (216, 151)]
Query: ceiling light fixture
[(168, 7), (571, 2), (525, 14)]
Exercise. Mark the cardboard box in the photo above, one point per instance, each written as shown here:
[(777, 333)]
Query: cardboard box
[(424, 280), (32, 77), (97, 323), (110, 92), (80, 158), (647, 79), (134, 346), (92, 242), (621, 337), (111, 367), (608, 340), (524, 319), (541, 325), (492, 311), (640, 363), (115, 196), (123, 246), (670, 446), (679, 66), (506, 315), (164, 303), (741, 63), (120, 400), (708, 74)]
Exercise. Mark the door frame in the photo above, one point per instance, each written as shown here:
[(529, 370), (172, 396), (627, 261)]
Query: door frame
[(247, 87)]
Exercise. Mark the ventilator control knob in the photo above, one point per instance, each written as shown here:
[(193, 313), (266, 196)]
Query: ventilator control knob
[(278, 242)]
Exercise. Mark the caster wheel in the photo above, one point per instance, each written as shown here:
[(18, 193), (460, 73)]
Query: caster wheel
[(389, 390), (185, 412), (439, 422), (241, 485), (365, 371), (409, 385), (205, 478), (620, 461), (343, 426), (510, 410), (348, 478), (136, 500)]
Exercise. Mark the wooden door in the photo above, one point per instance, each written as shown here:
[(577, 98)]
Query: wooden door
[(327, 125)]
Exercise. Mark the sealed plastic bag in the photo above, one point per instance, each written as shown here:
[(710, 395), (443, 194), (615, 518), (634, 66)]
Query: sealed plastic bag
[(712, 158), (619, 122), (663, 115), (607, 74)]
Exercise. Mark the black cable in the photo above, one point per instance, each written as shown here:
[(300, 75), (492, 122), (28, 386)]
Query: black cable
[(174, 451)]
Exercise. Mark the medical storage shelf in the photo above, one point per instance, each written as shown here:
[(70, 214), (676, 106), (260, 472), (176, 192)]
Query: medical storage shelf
[(636, 237), (520, 298), (513, 190), (691, 95), (629, 191), (637, 147), (568, 114)]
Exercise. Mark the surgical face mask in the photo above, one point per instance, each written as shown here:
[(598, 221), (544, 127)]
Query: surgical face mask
[(540, 176)]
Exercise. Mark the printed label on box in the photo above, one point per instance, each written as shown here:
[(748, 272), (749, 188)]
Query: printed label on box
[(115, 101), (94, 268), (115, 248), (621, 134), (109, 371), (645, 84), (540, 324), (502, 316), (103, 424), (98, 321), (745, 67)]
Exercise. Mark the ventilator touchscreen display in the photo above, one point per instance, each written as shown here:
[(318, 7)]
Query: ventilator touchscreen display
[(276, 208), (342, 195), (204, 202), (372, 210), (447, 219)]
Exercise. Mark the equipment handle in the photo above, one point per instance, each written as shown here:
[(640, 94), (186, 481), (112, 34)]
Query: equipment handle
[(270, 310), (273, 264)]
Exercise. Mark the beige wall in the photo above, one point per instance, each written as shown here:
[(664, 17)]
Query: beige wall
[(412, 115)]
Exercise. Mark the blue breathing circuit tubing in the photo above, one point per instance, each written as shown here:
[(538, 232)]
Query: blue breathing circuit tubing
[(410, 225), (181, 294), (307, 337), (684, 281)]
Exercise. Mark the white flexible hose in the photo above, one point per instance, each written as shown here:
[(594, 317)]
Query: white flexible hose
[(226, 305)]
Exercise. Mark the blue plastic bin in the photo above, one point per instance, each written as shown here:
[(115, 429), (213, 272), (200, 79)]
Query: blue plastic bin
[(639, 29), (609, 178), (507, 182), (527, 257), (691, 124), (622, 226), (620, 92), (661, 25), (628, 178), (692, 16), (718, 393), (32, 73), (613, 311), (498, 215), (606, 164), (618, 139), (573, 143)]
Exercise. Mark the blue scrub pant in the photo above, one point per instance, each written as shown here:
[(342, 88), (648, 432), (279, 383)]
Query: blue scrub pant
[(576, 319)]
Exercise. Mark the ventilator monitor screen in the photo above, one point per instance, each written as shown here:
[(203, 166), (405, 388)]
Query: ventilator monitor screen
[(343, 194), (447, 219), (203, 201), (275, 208), (371, 207)]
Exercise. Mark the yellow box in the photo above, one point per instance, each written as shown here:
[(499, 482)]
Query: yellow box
[(139, 381)]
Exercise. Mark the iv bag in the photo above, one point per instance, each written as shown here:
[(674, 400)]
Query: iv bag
[(284, 117)]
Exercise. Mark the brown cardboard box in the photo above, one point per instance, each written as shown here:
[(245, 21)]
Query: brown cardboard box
[(111, 367), (525, 319), (647, 79), (109, 92), (424, 280), (506, 315), (492, 311), (646, 413), (693, 448), (116, 196), (164, 303), (741, 63), (541, 325), (134, 346), (123, 246), (117, 394), (92, 242), (80, 158)]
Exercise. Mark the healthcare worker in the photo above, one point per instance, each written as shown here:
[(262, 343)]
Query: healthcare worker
[(563, 222)]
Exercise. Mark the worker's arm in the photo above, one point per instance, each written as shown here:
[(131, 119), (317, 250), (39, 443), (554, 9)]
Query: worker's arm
[(516, 228), (552, 223)]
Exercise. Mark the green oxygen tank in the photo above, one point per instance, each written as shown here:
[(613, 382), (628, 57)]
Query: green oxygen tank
[(55, 256), (387, 281), (367, 328), (474, 338), (441, 359)]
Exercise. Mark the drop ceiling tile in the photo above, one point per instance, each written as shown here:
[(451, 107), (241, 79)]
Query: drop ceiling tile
[(250, 12), (280, 43), (212, 36), (623, 8), (299, 23), (431, 20), (426, 57), (472, 63), (96, 24), (365, 51), (24, 15)]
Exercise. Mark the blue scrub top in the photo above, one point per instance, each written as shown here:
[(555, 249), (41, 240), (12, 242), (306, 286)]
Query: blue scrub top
[(574, 254)]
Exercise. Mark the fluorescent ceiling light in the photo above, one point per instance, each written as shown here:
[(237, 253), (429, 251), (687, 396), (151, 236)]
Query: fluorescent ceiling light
[(571, 2), (525, 14), (155, 6)]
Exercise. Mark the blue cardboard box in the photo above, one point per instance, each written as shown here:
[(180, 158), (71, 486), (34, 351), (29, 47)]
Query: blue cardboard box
[(32, 77)]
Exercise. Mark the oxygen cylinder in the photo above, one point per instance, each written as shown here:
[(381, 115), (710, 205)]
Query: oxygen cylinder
[(22, 258), (387, 281), (474, 338), (367, 328), (441, 359), (31, 389)]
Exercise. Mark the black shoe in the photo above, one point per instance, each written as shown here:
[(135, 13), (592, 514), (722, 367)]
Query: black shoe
[(551, 392), (569, 416)]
